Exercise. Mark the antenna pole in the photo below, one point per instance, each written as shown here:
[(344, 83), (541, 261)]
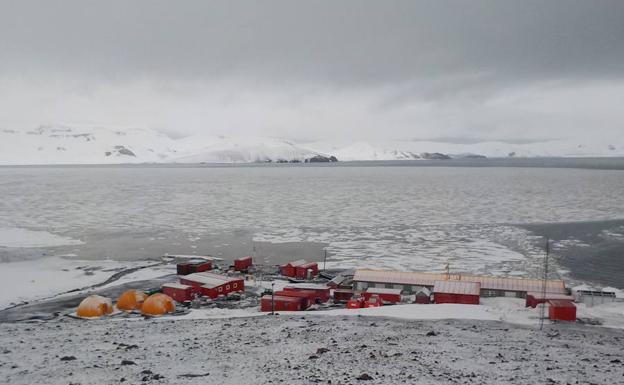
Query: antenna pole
[(543, 308), (324, 259)]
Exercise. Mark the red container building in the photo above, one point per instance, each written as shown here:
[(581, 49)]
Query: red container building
[(373, 301), (213, 285), (243, 264), (307, 270), (322, 292), (290, 269), (281, 303), (386, 295), (561, 310), (464, 292), (308, 297), (535, 298), (194, 266), (178, 291), (356, 303)]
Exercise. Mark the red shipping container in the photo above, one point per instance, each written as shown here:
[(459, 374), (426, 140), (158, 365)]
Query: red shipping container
[(281, 303), (191, 267), (299, 294), (301, 271), (561, 310), (463, 292), (242, 264), (343, 295), (386, 295), (534, 298), (178, 291), (322, 292)]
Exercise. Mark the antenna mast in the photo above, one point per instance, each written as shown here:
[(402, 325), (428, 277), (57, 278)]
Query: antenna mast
[(543, 308)]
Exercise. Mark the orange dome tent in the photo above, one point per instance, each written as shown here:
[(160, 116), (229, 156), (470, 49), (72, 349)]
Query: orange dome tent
[(131, 300), (94, 306), (158, 304)]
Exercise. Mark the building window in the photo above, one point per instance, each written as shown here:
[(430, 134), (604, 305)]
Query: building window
[(220, 289), (227, 287), (235, 285)]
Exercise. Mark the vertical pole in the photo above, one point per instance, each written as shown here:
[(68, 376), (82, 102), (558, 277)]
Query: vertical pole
[(272, 298), (543, 308)]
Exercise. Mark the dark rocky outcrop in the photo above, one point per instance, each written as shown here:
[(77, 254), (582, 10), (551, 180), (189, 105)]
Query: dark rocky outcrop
[(321, 159)]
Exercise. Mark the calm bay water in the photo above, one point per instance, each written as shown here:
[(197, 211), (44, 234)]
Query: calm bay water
[(478, 215)]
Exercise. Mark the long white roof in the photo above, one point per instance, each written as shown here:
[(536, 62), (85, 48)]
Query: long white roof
[(457, 287), (383, 290), (428, 279)]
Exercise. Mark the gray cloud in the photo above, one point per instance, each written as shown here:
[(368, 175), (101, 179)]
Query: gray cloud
[(412, 68)]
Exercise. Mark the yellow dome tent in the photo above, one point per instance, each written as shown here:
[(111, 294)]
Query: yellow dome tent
[(131, 300), (94, 306), (158, 304)]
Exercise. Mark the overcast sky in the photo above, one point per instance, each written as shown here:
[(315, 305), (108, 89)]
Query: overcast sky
[(318, 70)]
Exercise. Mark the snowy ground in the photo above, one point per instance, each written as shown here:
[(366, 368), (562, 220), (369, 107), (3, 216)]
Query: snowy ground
[(296, 349)]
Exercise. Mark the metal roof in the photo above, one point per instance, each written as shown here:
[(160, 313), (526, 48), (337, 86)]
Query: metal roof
[(457, 287), (309, 286), (561, 303), (298, 262), (540, 295), (175, 285), (383, 290), (209, 280), (428, 279)]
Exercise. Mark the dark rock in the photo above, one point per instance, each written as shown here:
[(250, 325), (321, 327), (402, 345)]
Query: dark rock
[(363, 377), (68, 358), (127, 362), (313, 357), (321, 350), (431, 334), (191, 375), (616, 361)]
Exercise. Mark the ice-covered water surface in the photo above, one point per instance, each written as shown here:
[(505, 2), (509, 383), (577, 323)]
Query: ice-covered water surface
[(404, 217)]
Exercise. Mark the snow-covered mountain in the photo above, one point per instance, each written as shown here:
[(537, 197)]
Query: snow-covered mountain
[(55, 144)]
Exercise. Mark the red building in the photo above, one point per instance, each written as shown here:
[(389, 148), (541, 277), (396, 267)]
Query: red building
[(535, 298), (281, 303), (178, 291), (243, 264), (290, 269), (307, 296), (307, 270), (386, 295), (322, 292), (561, 310), (456, 292), (423, 296), (356, 303), (342, 295), (193, 266), (213, 285)]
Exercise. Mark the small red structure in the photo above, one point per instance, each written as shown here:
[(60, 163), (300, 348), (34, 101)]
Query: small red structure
[(281, 303), (243, 264), (307, 270), (193, 266), (386, 295), (342, 295), (178, 291), (423, 296), (337, 282), (561, 310), (305, 295), (373, 301), (464, 292), (356, 303), (322, 292), (213, 285), (535, 298), (290, 269)]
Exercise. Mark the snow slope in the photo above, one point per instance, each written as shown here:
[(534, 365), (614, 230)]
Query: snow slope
[(59, 144)]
